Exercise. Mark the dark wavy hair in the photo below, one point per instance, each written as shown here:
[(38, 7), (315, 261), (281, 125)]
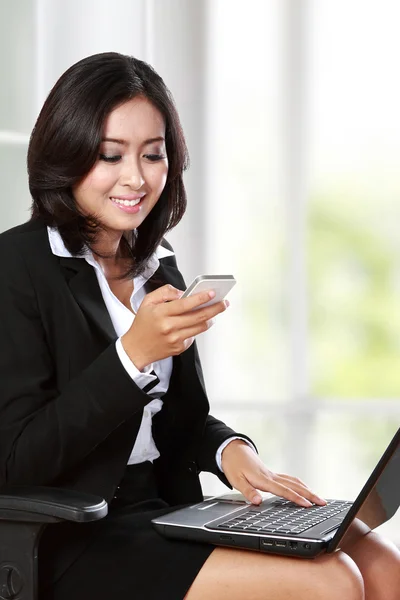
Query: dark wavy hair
[(65, 143)]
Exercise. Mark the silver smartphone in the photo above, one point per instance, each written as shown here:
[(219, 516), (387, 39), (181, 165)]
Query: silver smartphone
[(221, 284)]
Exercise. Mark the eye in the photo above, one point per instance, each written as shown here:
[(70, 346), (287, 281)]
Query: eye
[(110, 159), (154, 157)]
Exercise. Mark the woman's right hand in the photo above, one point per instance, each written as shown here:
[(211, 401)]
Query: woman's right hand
[(166, 324)]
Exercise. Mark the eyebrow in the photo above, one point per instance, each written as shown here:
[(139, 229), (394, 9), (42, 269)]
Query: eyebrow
[(125, 143)]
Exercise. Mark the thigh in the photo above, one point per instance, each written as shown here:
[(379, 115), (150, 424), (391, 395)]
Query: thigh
[(232, 574)]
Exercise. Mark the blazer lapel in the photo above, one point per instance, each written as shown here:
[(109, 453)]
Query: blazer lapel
[(84, 287), (165, 274)]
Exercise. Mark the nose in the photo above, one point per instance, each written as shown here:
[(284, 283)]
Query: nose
[(132, 176)]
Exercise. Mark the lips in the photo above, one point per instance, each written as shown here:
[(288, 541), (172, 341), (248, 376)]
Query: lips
[(129, 204), (124, 202)]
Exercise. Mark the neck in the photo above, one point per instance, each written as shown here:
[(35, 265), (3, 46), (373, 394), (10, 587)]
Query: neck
[(108, 253), (108, 243)]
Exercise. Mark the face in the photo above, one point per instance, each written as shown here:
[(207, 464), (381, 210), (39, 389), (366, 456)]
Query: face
[(131, 170)]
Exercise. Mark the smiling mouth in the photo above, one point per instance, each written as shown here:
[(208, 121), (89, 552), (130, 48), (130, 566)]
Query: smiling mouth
[(126, 202)]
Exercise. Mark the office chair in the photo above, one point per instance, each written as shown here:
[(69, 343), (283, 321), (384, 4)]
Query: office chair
[(24, 513)]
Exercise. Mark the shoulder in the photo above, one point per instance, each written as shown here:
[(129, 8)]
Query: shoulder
[(24, 246), (32, 234)]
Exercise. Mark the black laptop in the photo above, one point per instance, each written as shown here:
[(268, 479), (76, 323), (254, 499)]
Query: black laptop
[(281, 527)]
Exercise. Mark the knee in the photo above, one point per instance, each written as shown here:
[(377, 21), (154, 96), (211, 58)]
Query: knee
[(382, 569), (341, 578)]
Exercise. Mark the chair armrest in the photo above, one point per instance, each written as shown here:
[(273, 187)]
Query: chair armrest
[(48, 505)]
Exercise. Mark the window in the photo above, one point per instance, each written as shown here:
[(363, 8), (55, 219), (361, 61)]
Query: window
[(303, 148)]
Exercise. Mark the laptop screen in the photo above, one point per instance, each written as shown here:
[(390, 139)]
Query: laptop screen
[(378, 500)]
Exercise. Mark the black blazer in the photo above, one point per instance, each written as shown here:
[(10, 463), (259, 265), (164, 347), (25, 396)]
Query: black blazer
[(69, 412)]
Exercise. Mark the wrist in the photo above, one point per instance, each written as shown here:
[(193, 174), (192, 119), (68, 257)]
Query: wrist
[(135, 356), (231, 447), (233, 443)]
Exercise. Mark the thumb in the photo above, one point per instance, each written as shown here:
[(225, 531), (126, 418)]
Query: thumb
[(249, 492), (166, 293)]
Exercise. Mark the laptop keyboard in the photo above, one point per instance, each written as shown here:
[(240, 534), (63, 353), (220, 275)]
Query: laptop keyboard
[(282, 517)]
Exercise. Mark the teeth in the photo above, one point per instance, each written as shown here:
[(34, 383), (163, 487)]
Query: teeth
[(126, 202)]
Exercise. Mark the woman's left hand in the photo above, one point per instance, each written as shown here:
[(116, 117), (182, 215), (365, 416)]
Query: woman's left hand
[(247, 473)]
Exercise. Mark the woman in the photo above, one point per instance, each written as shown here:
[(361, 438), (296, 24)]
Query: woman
[(101, 385)]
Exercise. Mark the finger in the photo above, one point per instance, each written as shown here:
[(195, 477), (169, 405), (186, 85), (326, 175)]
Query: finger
[(280, 489), (268, 484), (166, 293), (192, 302), (248, 491), (189, 332), (292, 478), (301, 488), (194, 317)]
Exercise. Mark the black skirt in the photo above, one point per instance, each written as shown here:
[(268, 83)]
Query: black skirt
[(126, 557)]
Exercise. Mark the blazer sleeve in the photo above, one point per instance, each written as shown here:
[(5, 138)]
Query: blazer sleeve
[(215, 433), (45, 431)]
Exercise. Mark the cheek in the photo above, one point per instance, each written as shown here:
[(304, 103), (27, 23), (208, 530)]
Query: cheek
[(83, 186), (159, 178), (102, 179), (92, 188), (99, 180)]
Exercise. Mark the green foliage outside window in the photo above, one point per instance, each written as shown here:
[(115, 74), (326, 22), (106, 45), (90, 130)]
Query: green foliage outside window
[(354, 282)]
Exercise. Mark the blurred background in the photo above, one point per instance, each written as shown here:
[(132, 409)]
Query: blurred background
[(291, 112)]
